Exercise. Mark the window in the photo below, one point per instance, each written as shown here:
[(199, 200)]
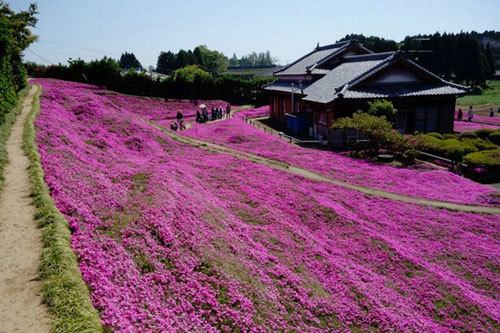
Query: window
[(432, 119), (426, 119), (420, 119)]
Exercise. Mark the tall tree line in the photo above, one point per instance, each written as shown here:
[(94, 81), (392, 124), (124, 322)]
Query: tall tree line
[(459, 57), (208, 60), (468, 58), (15, 36), (253, 59)]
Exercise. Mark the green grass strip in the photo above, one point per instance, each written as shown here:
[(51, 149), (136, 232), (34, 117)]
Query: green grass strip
[(63, 288), (6, 127)]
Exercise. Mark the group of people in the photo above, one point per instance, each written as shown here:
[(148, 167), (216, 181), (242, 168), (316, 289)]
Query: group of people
[(215, 113), (470, 113), (201, 117)]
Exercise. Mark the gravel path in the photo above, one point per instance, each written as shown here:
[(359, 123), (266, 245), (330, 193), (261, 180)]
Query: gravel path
[(21, 309)]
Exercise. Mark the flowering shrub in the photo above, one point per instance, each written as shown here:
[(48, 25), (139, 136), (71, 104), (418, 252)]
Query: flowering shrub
[(175, 238), (430, 183)]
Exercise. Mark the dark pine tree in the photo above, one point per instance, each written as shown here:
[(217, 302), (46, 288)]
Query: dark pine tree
[(128, 60)]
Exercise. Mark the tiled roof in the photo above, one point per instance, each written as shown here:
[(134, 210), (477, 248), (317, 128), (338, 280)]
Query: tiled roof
[(325, 89), (300, 66), (343, 80), (401, 91)]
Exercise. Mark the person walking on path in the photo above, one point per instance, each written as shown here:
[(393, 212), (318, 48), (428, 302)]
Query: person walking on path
[(198, 116), (492, 113), (471, 113), (228, 111), (205, 114), (460, 114)]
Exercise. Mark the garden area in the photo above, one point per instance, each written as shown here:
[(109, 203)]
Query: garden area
[(174, 237)]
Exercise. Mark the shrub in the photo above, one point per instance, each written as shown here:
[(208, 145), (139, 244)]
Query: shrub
[(381, 135), (495, 137), (436, 135), (484, 133), (450, 136), (478, 144), (382, 108), (377, 128), (468, 135), (489, 159)]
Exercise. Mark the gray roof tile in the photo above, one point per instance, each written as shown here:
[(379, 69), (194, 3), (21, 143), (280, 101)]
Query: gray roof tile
[(299, 67), (391, 91), (324, 90)]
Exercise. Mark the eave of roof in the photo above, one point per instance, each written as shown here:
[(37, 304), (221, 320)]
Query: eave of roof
[(396, 91), (286, 86)]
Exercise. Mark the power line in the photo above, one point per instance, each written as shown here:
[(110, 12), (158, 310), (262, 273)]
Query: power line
[(89, 50), (39, 56), (80, 48)]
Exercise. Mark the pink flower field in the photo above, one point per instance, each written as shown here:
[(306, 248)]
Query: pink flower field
[(482, 119), (465, 126), (171, 237), (426, 183)]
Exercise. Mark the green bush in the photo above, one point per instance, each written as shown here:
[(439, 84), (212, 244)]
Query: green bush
[(488, 159), (484, 133), (450, 136), (495, 137), (436, 135), (468, 135), (478, 144), (381, 135), (382, 108)]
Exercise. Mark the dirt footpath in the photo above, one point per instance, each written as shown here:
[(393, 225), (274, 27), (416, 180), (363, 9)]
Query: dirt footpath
[(21, 309)]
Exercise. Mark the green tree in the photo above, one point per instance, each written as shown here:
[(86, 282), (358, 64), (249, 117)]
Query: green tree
[(491, 61), (15, 36), (234, 60), (383, 108), (213, 61), (128, 60), (166, 62), (376, 44)]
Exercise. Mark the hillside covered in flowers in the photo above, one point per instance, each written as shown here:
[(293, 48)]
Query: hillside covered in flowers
[(172, 237)]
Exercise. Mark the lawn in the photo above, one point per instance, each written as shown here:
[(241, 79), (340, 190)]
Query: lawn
[(490, 96), (175, 238)]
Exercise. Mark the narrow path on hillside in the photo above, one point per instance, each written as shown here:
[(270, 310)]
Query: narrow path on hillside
[(319, 177), (21, 308)]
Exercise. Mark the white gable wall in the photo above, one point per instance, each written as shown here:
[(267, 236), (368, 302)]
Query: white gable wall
[(397, 75)]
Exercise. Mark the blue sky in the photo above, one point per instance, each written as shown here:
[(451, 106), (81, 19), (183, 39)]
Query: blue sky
[(90, 29)]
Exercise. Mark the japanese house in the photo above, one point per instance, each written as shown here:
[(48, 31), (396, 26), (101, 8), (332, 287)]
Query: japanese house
[(336, 80)]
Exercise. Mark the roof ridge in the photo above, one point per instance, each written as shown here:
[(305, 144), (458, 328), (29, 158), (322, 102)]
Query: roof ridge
[(321, 48), (326, 47), (381, 55)]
